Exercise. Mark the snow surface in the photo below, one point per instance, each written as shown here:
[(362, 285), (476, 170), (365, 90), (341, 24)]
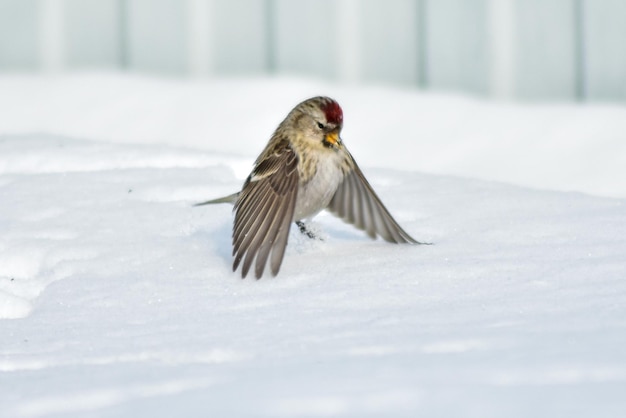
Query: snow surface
[(118, 297)]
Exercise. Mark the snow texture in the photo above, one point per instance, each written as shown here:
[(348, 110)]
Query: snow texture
[(118, 299)]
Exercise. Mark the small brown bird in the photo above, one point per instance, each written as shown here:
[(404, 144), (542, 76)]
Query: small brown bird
[(304, 169)]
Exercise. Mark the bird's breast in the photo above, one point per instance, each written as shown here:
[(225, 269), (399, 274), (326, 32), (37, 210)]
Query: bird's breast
[(315, 194)]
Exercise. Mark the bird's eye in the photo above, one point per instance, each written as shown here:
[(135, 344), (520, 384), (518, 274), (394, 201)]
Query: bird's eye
[(320, 125)]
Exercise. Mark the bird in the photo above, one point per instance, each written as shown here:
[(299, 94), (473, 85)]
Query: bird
[(304, 169)]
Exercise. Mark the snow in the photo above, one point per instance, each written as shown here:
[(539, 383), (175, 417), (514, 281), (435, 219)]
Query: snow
[(118, 299)]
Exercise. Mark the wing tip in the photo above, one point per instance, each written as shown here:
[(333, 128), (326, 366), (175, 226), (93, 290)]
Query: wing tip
[(412, 241)]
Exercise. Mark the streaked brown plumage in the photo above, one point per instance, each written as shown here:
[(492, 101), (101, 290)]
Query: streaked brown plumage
[(304, 169)]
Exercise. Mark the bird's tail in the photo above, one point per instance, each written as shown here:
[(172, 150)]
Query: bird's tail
[(232, 198)]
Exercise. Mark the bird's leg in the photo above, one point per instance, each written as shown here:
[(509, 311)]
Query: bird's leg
[(305, 230)]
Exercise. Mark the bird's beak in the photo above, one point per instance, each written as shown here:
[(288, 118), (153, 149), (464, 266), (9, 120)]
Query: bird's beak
[(333, 138)]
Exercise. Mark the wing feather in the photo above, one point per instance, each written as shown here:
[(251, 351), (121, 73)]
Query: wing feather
[(251, 217), (264, 211), (350, 201), (273, 229), (368, 217), (281, 239), (260, 238), (356, 202)]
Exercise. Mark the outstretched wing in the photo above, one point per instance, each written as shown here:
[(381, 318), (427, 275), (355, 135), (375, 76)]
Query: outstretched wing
[(356, 202), (264, 211)]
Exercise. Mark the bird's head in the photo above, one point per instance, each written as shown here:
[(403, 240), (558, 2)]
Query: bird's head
[(320, 120)]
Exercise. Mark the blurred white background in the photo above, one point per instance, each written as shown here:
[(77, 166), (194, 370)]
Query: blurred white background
[(561, 50)]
